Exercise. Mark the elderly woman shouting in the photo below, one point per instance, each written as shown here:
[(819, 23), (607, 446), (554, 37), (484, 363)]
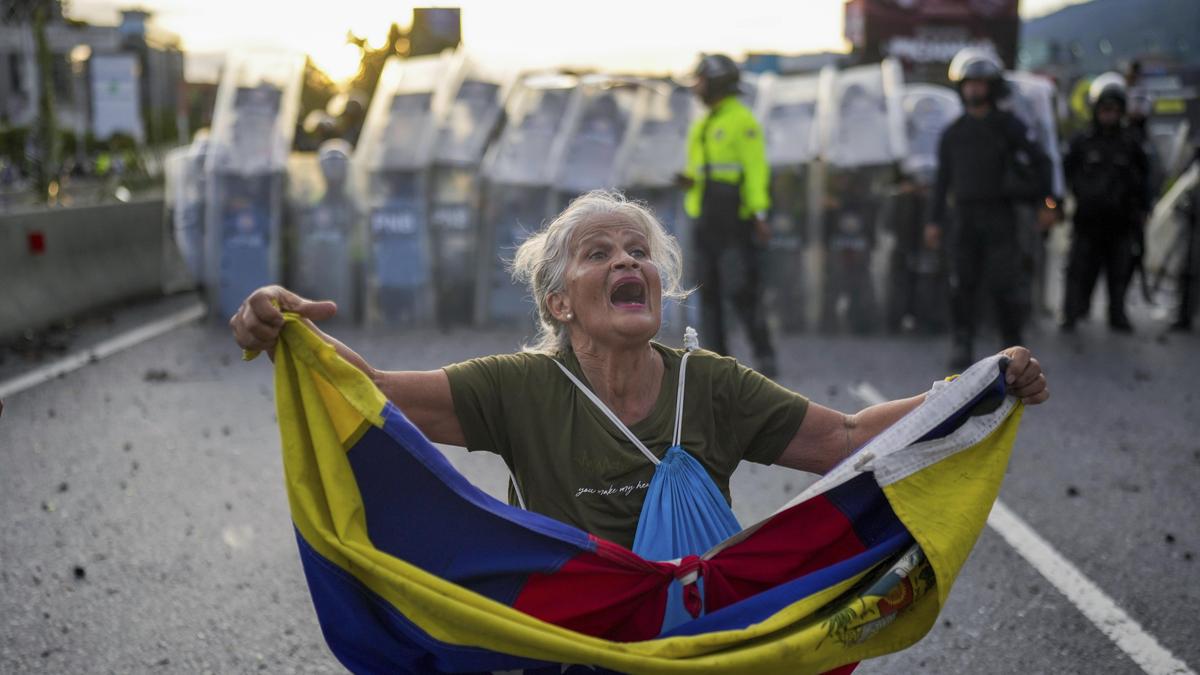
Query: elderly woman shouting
[(582, 416)]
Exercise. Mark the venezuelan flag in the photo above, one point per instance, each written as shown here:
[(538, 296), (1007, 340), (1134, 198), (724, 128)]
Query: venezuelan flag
[(413, 569)]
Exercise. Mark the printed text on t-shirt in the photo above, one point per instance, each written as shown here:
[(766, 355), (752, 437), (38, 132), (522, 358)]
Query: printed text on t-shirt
[(623, 490)]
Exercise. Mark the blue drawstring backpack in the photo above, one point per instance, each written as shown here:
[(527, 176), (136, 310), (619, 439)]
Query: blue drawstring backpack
[(684, 513)]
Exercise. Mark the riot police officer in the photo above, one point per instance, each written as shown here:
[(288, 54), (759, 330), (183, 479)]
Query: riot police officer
[(727, 177), (1107, 171), (987, 161), (325, 257)]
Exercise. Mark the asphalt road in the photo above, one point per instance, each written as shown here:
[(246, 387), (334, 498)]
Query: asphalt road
[(144, 527)]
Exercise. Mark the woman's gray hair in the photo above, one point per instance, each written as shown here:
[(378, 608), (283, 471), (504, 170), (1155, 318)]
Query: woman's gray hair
[(541, 261)]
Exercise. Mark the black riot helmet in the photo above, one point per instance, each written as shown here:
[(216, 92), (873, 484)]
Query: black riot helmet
[(719, 75), (1108, 87), (973, 63)]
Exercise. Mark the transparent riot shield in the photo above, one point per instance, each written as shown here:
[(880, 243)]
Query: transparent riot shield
[(1032, 99), (787, 108), (862, 141), (928, 110), (475, 108), (518, 195), (916, 297), (475, 111), (861, 121), (253, 124), (748, 89), (184, 192), (189, 208), (597, 121), (1173, 241), (654, 152), (392, 161), (455, 229), (175, 274), (325, 256)]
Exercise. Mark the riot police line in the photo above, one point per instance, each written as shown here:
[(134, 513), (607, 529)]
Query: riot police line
[(457, 163)]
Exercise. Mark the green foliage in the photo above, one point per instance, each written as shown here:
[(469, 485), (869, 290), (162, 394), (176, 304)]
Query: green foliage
[(317, 89), (371, 65), (22, 11), (12, 144), (67, 142), (91, 144)]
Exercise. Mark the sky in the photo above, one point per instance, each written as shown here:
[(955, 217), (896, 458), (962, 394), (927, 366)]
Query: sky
[(634, 35)]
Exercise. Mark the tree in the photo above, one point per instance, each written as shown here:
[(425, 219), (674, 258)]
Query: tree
[(318, 88), (21, 11), (46, 139), (371, 65), (44, 143)]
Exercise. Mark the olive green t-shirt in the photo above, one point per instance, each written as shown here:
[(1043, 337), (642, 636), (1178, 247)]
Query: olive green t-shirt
[(572, 464)]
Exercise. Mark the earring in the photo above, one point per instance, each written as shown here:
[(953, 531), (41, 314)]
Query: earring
[(570, 316)]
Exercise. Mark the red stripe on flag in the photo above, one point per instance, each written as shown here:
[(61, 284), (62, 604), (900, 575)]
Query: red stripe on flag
[(614, 594), (803, 539), (611, 593)]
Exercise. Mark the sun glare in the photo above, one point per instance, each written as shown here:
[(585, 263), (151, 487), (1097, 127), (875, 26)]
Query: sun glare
[(339, 62), (648, 36)]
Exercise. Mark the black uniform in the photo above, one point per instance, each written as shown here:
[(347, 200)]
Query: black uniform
[(979, 160), (729, 258), (1108, 172)]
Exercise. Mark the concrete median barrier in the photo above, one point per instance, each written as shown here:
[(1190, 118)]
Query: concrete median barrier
[(59, 263)]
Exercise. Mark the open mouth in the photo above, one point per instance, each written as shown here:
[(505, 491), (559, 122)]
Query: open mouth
[(629, 293)]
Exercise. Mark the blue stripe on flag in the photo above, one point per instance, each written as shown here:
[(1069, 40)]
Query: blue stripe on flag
[(988, 399), (758, 608), (368, 635), (867, 509), (450, 527)]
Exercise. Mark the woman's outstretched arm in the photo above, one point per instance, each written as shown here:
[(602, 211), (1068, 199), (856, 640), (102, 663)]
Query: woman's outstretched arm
[(424, 396), (826, 436)]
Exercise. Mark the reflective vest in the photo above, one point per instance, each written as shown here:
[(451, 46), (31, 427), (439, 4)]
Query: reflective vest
[(730, 141)]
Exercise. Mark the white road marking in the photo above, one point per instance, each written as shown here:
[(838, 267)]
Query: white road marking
[(1087, 597), (101, 350), (1093, 602), (867, 393)]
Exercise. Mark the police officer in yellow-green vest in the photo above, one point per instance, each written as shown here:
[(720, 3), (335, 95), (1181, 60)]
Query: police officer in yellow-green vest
[(727, 178)]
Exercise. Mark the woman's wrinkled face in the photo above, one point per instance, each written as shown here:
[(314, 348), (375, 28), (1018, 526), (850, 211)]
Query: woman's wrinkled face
[(613, 291)]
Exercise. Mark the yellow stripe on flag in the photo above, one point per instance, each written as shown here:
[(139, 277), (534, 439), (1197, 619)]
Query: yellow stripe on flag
[(325, 403)]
